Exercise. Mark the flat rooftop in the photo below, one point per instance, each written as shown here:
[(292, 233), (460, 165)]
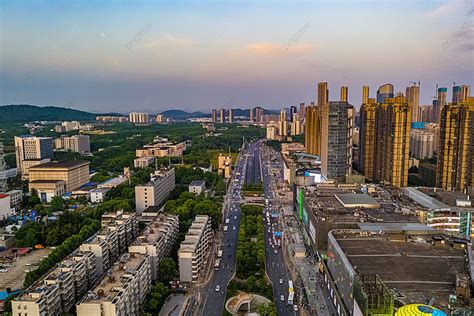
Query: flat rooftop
[(155, 230), (356, 200), (416, 269), (69, 164)]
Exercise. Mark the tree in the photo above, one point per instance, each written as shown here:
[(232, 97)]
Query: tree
[(33, 199), (29, 235), (156, 298), (267, 309), (167, 270), (57, 204)]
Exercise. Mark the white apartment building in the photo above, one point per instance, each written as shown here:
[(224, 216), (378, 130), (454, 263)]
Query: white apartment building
[(156, 191), (422, 143), (44, 300), (75, 143), (193, 250), (16, 197), (139, 117), (157, 240), (98, 195), (31, 151), (123, 291)]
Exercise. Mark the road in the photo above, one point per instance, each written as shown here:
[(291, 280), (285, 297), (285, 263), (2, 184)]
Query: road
[(216, 288), (276, 268)]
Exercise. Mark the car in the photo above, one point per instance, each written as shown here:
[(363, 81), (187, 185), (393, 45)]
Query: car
[(281, 281), (218, 288), (233, 228), (295, 307), (3, 270), (235, 216), (276, 251), (282, 297)]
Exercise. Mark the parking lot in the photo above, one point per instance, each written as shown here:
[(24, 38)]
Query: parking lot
[(15, 275)]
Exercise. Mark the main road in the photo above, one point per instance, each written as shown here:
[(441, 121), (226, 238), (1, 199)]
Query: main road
[(216, 288)]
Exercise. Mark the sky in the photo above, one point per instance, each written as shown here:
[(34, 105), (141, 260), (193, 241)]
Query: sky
[(122, 56)]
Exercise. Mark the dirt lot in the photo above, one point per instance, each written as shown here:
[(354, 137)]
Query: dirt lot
[(15, 276)]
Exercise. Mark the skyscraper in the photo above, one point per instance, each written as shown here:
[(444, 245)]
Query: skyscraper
[(292, 112), (455, 165), (214, 115), (367, 139), (344, 93), (440, 103), (323, 93), (231, 116), (251, 115), (385, 91), (139, 117), (283, 124), (392, 143), (334, 140), (302, 111), (465, 92), (413, 99), (222, 115), (457, 97), (365, 94), (312, 137), (258, 114)]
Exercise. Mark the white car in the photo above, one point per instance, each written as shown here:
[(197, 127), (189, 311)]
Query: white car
[(233, 228), (281, 281), (282, 297), (295, 307), (218, 288)]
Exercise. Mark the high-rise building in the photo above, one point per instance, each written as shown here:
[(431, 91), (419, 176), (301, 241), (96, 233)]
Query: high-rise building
[(413, 99), (365, 94), (283, 115), (455, 165), (440, 103), (334, 140), (323, 93), (392, 143), (139, 117), (302, 111), (427, 113), (292, 112), (282, 128), (258, 114), (295, 127), (231, 116), (31, 151), (155, 192), (222, 115), (214, 115), (385, 91), (272, 132), (344, 93), (313, 130), (75, 143), (252, 115), (422, 143), (350, 135), (160, 118), (465, 92), (367, 139)]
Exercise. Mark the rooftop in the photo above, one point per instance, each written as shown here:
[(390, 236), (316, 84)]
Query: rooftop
[(197, 183), (69, 164), (412, 266), (356, 200)]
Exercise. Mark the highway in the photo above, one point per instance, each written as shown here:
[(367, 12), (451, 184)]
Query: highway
[(275, 263), (216, 288)]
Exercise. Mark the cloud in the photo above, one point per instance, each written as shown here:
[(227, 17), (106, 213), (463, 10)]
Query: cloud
[(271, 49), (448, 8), (168, 40)]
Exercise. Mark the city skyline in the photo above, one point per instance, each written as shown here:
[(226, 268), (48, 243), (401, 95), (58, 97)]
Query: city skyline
[(109, 57)]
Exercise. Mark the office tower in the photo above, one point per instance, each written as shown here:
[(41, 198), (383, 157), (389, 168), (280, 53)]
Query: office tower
[(455, 165), (221, 115), (385, 91), (214, 115), (302, 111), (334, 140), (323, 93), (440, 103), (367, 139), (392, 143), (344, 93), (365, 94), (231, 115), (251, 115), (312, 137), (465, 92), (350, 131), (139, 117), (258, 114), (413, 99), (31, 151)]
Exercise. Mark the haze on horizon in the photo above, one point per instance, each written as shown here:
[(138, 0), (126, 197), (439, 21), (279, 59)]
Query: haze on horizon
[(194, 55)]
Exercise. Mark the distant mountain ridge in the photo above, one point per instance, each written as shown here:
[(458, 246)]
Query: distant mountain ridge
[(21, 113), (182, 115)]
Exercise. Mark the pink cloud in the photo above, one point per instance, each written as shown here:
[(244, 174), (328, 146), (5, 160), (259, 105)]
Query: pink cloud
[(277, 50)]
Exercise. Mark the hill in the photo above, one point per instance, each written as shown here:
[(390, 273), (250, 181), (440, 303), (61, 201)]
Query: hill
[(182, 115), (21, 113)]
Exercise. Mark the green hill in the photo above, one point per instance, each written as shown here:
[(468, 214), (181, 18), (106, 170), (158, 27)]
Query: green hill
[(22, 113)]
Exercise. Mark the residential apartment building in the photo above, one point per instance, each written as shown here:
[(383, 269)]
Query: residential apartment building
[(455, 164), (231, 116), (157, 240), (422, 143), (161, 148), (224, 165), (58, 292), (139, 117), (31, 151), (73, 173), (16, 198), (123, 291), (119, 119), (193, 250), (313, 130), (214, 115), (222, 116), (77, 143), (155, 192)]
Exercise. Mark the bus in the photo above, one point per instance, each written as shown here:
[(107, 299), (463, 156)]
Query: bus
[(218, 263), (291, 292), (219, 254)]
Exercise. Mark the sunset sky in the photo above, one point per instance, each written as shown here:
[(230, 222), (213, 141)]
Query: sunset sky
[(196, 55)]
